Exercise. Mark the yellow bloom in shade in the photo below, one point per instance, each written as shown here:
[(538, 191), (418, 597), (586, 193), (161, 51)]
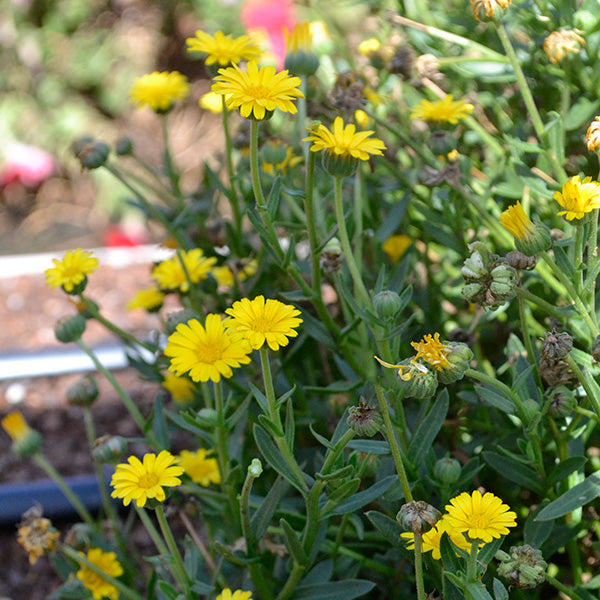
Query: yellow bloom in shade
[(200, 469), (432, 538), (207, 352), (290, 161), (299, 40), (159, 90), (442, 111), (345, 141), (182, 390), (98, 585), (16, 426), (592, 137), (227, 594), (481, 517), (370, 46), (395, 246), (223, 49), (150, 298), (139, 481), (212, 102), (259, 91), (71, 270), (170, 274), (37, 536), (578, 197), (261, 321), (225, 277), (433, 351), (517, 222)]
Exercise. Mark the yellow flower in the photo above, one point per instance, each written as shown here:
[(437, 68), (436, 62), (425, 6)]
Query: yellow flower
[(480, 517), (258, 92), (71, 271), (16, 426), (225, 277), (260, 321), (299, 40), (395, 246), (37, 536), (517, 222), (562, 43), (136, 480), (212, 102), (201, 469), (370, 46), (578, 197), (290, 161), (432, 538), (227, 594), (442, 111), (345, 141), (159, 90), (592, 136), (150, 299), (170, 273), (106, 562), (182, 390), (433, 352), (206, 352), (223, 49)]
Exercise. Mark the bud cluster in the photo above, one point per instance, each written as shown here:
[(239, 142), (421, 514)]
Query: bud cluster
[(524, 567)]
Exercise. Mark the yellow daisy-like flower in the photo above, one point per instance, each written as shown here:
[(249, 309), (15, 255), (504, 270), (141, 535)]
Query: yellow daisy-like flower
[(258, 92), (16, 426), (170, 274), (225, 277), (433, 351), (442, 111), (71, 270), (562, 43), (290, 161), (517, 222), (260, 321), (139, 481), (578, 197), (432, 538), (159, 90), (201, 469), (150, 299), (207, 352), (106, 562), (592, 136), (38, 537), (299, 40), (227, 594), (395, 246), (370, 46), (182, 390), (223, 49), (480, 517), (212, 102), (345, 141)]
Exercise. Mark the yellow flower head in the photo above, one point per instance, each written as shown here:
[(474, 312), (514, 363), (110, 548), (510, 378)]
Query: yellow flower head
[(71, 271), (137, 480), (442, 111), (299, 40), (562, 43), (170, 273), (517, 222), (259, 91), (433, 352), (16, 426), (207, 352), (345, 141), (182, 390), (225, 277), (227, 594), (200, 469), (260, 321), (578, 198), (106, 562), (592, 137), (223, 49), (406, 370), (432, 538), (395, 246), (150, 299), (484, 10), (290, 161), (212, 102), (480, 517), (159, 90), (37, 536), (370, 46)]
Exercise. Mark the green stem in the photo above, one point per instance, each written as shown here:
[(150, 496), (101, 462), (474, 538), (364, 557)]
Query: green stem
[(393, 443), (301, 118), (292, 581), (472, 562), (251, 543), (592, 258), (562, 588), (222, 442), (171, 172), (489, 140), (578, 262), (151, 529), (419, 567), (234, 199), (527, 339), (311, 226), (254, 172), (595, 402), (178, 566)]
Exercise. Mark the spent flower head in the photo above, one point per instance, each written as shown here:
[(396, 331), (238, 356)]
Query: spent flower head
[(446, 110), (223, 49), (560, 44), (36, 534), (71, 272), (578, 197), (433, 351), (200, 467), (592, 136), (484, 10), (185, 268), (146, 479), (159, 90), (93, 581)]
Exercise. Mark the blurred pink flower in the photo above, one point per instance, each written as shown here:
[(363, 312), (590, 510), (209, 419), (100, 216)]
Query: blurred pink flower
[(25, 164), (271, 17), (126, 233)]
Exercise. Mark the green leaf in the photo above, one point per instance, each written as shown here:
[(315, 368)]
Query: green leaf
[(342, 473), (337, 387), (364, 497), (576, 497), (202, 588), (494, 398), (450, 561), (320, 573), (563, 469), (273, 428), (514, 471), (334, 590), (485, 554), (554, 131), (580, 113), (240, 412), (264, 513), (274, 198), (370, 446), (535, 533), (321, 439), (168, 590), (476, 591), (564, 263), (286, 395), (500, 592), (260, 398), (159, 423), (290, 427), (292, 543), (339, 493), (388, 527), (428, 429), (317, 330)]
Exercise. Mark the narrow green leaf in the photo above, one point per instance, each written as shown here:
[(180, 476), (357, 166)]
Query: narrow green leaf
[(159, 423), (370, 446), (428, 429), (492, 397), (286, 395), (273, 428), (563, 469), (450, 561), (321, 439), (168, 590), (364, 497), (274, 198), (290, 427), (485, 554), (555, 132), (514, 471), (500, 592), (343, 491), (346, 589), (576, 497), (476, 590), (317, 330), (240, 412), (346, 471), (292, 543), (264, 513), (535, 533), (260, 398), (388, 527), (320, 573), (202, 588)]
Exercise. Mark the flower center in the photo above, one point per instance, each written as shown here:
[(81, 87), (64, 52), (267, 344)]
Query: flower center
[(148, 480), (210, 353), (258, 92), (478, 521)]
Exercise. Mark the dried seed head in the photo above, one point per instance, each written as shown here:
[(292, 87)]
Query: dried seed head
[(556, 345), (418, 516)]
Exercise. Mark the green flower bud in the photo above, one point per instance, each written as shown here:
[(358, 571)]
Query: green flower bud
[(109, 449), (25, 440), (364, 419), (460, 357), (418, 516), (83, 392), (337, 165), (91, 155), (124, 146), (538, 240), (422, 384), (447, 470), (563, 402), (387, 304), (301, 63), (69, 329), (255, 468), (441, 142), (207, 417), (332, 256), (524, 567)]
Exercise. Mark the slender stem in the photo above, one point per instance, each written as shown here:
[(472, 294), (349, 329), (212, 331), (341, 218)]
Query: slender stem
[(592, 258), (71, 496), (562, 588), (254, 172), (235, 201), (358, 221), (178, 567), (472, 562), (489, 140), (393, 443), (595, 402), (171, 172), (152, 531), (301, 117), (419, 567), (292, 581), (578, 262), (311, 226), (527, 340), (222, 442)]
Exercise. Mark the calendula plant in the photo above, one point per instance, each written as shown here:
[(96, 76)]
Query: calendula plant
[(387, 343)]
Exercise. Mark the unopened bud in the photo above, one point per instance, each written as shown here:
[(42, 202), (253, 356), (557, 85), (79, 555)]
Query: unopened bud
[(418, 516), (124, 146), (255, 468), (26, 441), (447, 470), (459, 356), (92, 154), (83, 392), (364, 419), (563, 402), (69, 329), (387, 303), (332, 257), (109, 449)]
